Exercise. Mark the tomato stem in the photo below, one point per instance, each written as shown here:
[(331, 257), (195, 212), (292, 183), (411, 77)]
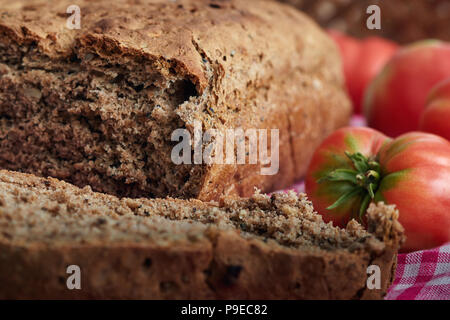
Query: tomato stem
[(365, 178)]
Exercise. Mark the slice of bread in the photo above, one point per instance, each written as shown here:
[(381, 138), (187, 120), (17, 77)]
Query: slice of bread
[(98, 105), (263, 247)]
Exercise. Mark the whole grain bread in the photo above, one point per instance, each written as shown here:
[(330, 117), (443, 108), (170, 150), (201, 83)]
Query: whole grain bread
[(97, 105), (401, 20), (261, 247)]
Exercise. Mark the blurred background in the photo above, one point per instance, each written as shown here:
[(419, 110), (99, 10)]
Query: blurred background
[(402, 20)]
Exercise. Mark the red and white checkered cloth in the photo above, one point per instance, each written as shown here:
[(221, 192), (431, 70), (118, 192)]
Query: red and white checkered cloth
[(420, 275)]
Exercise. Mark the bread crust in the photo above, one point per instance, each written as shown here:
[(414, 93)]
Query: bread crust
[(223, 263), (258, 64)]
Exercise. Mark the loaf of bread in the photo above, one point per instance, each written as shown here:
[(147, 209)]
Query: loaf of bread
[(98, 105), (401, 20), (257, 248)]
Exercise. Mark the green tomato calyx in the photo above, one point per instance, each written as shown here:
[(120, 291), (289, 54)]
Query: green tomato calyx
[(365, 178)]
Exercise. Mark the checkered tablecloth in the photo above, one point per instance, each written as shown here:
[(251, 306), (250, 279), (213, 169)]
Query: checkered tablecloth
[(420, 275)]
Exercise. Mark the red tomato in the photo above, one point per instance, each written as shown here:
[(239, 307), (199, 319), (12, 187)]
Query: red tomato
[(356, 166), (396, 98), (362, 60), (331, 156), (436, 117)]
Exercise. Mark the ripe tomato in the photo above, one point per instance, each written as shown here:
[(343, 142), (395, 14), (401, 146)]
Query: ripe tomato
[(362, 60), (331, 156), (436, 117), (356, 166), (396, 98)]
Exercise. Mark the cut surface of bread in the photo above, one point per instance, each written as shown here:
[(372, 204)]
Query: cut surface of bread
[(98, 105), (262, 247)]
